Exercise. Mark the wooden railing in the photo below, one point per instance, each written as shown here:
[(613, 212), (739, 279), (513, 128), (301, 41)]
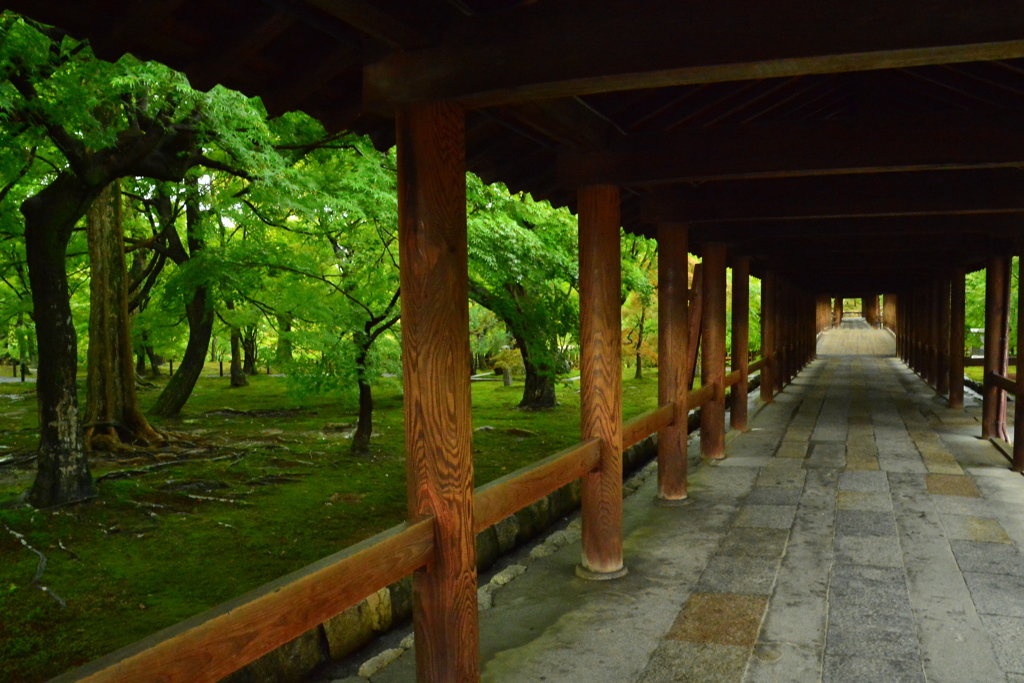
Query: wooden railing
[(1003, 382), (208, 647), (643, 425), (497, 500), (757, 365)]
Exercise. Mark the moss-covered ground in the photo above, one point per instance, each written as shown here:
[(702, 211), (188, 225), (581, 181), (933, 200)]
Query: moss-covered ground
[(261, 484), (977, 373)]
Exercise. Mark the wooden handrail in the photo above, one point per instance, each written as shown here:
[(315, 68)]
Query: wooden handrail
[(757, 365), (698, 398), (971, 362), (732, 378), (500, 498), (645, 424), (209, 646), (1004, 383)]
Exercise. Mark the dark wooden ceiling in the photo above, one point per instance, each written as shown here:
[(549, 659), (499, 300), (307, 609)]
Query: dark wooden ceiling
[(856, 147)]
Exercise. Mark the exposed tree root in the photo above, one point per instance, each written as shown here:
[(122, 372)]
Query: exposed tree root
[(40, 568)]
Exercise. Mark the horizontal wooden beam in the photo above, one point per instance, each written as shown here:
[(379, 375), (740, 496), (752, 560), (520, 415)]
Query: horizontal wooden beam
[(757, 365), (500, 498), (208, 647), (1001, 382), (979, 192), (701, 396), (577, 47), (645, 424), (788, 150)]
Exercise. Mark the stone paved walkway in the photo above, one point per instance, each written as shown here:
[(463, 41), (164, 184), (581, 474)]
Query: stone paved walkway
[(860, 531)]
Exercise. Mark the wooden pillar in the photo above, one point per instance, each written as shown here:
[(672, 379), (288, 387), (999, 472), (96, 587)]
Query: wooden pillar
[(1018, 409), (769, 368), (740, 339), (838, 315), (942, 342), (780, 309), (932, 298), (957, 296), (996, 304), (435, 358), (673, 355), (712, 356), (601, 379)]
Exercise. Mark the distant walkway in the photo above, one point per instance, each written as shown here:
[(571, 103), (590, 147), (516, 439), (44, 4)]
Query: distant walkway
[(856, 338), (860, 531)]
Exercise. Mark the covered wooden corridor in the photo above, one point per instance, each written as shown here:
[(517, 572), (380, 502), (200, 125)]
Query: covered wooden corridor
[(829, 149)]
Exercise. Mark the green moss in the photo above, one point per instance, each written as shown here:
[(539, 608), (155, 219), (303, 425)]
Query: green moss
[(149, 556)]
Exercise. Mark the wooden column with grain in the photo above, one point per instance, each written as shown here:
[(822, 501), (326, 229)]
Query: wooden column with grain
[(673, 359), (837, 317), (768, 370), (1018, 406), (740, 340), (435, 358), (601, 379), (712, 356), (996, 303), (957, 301), (942, 343)]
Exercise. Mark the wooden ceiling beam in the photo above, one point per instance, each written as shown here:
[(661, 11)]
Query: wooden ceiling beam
[(228, 55), (386, 25), (788, 150), (576, 47), (976, 192)]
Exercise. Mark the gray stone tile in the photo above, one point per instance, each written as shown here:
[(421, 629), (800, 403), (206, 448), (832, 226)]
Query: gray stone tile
[(768, 495), (787, 478), (880, 587), (682, 662), (766, 516), (744, 461), (864, 482), (789, 662), (864, 523), (1007, 636), (982, 529), (991, 558), (754, 542), (996, 594), (861, 669), (959, 505), (745, 575), (875, 551), (858, 500), (896, 639)]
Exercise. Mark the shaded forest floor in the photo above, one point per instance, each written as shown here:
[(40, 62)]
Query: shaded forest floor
[(262, 484)]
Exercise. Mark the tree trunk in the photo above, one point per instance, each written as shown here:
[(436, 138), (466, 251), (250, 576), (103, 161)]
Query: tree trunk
[(140, 362), (154, 361), (62, 474), (237, 376), (364, 425), (539, 387), (112, 409), (199, 312), (639, 343), (249, 349), (284, 340)]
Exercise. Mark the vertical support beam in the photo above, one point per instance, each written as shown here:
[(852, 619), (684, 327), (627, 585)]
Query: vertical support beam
[(942, 343), (673, 357), (601, 379), (957, 300), (1018, 409), (996, 303), (740, 339), (781, 336), (769, 369), (837, 317), (435, 357), (712, 356)]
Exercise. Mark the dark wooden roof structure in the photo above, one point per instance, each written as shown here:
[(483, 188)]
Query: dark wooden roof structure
[(855, 146)]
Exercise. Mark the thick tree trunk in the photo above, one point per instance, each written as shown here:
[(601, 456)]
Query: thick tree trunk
[(199, 312), (284, 340), (112, 410), (172, 399), (140, 362), (154, 361), (364, 425), (237, 375), (63, 470), (539, 387), (249, 350)]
